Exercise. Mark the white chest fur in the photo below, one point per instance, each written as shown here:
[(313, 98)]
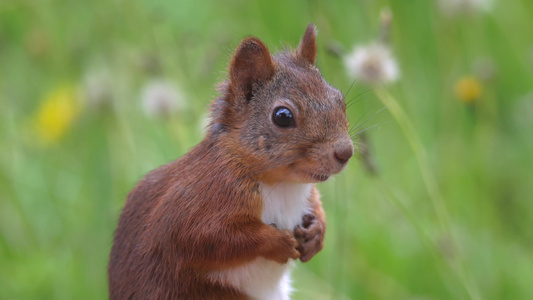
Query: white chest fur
[(284, 205)]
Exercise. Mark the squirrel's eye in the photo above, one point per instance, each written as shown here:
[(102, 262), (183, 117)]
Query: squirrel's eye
[(283, 117)]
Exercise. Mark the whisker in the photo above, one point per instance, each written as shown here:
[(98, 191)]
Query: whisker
[(358, 120), (350, 102), (382, 123), (371, 117), (349, 89)]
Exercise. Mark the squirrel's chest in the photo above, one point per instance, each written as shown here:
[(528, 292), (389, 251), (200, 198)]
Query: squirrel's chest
[(285, 204)]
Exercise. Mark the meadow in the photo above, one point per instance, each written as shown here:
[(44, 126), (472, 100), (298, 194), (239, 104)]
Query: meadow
[(437, 204)]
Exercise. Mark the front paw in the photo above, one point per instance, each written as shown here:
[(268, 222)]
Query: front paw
[(283, 248), (310, 237)]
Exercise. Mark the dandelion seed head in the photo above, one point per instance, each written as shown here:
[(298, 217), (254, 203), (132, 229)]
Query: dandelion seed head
[(373, 64), (160, 99), (97, 88)]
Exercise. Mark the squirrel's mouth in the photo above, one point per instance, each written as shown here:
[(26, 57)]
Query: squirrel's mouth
[(316, 177), (320, 177)]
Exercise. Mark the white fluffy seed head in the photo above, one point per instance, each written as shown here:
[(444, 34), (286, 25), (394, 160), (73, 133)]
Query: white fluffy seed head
[(160, 98), (97, 87), (372, 64)]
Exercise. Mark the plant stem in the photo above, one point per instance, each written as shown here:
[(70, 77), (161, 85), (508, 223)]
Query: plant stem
[(430, 182)]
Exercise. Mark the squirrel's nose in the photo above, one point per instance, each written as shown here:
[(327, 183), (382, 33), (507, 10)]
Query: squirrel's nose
[(343, 151)]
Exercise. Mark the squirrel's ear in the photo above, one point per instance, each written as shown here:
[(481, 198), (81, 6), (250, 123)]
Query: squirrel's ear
[(307, 48), (250, 64)]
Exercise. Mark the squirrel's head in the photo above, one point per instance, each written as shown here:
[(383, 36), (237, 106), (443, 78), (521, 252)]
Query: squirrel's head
[(279, 116)]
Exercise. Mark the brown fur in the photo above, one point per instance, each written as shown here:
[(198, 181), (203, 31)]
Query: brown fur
[(308, 48), (202, 212)]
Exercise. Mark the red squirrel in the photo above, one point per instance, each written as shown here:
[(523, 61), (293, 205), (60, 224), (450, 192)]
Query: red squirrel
[(228, 219)]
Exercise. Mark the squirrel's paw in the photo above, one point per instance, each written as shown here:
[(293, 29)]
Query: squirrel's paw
[(310, 237), (284, 248)]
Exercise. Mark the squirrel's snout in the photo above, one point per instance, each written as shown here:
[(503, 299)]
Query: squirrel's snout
[(343, 151)]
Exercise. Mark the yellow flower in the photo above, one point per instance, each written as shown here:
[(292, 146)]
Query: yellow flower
[(468, 89), (56, 114)]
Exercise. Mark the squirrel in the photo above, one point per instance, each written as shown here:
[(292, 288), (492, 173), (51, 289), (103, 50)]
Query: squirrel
[(229, 218)]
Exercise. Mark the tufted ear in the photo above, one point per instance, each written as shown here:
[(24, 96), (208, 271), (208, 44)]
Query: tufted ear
[(307, 48), (251, 64)]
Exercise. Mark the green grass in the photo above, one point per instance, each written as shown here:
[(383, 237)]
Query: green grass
[(448, 216)]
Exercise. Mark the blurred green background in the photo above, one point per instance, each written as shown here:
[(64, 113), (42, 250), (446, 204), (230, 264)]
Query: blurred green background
[(448, 213)]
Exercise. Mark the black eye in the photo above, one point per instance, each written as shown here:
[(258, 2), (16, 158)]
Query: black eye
[(282, 117)]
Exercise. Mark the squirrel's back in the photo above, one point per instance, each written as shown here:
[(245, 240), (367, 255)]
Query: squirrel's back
[(162, 213)]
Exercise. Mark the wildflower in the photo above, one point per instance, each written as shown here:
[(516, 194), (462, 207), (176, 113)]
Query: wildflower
[(468, 89), (160, 99), (97, 88), (372, 64), (56, 114), (464, 7)]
